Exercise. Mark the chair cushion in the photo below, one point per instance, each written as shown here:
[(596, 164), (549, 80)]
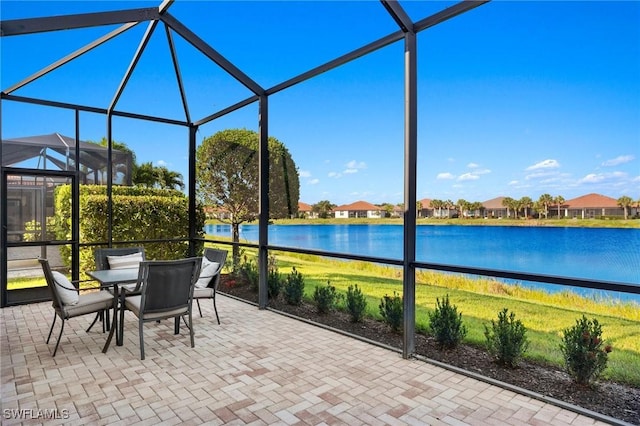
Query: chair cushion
[(126, 261), (203, 293), (133, 304), (208, 270), (63, 287), (90, 302)]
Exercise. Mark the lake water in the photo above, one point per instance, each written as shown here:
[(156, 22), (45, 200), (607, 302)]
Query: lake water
[(608, 254)]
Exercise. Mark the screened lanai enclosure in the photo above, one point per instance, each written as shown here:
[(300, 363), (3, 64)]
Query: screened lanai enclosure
[(161, 78)]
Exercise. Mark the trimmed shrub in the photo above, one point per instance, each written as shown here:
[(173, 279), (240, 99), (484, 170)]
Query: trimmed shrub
[(506, 340), (391, 309), (293, 288), (34, 225), (139, 214), (446, 324), (248, 271), (325, 298), (585, 353), (356, 303), (274, 279)]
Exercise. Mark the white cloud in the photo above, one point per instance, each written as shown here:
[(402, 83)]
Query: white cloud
[(313, 181), (621, 159), (305, 173), (636, 179), (473, 165), (551, 180), (513, 182), (334, 175), (162, 163), (350, 171), (602, 177), (481, 172), (446, 175), (353, 164), (542, 174), (592, 178), (546, 164), (468, 176)]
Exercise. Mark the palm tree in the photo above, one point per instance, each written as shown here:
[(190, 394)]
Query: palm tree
[(168, 179), (508, 202), (545, 201), (461, 206), (625, 202), (323, 208), (437, 204), (477, 207), (448, 205), (525, 203), (144, 175), (559, 200)]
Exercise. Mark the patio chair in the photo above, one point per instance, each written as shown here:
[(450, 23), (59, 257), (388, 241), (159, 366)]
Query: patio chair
[(164, 290), (117, 257), (69, 303), (101, 256), (207, 285)]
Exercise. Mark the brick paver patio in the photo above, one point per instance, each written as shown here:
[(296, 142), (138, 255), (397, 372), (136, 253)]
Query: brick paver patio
[(257, 367)]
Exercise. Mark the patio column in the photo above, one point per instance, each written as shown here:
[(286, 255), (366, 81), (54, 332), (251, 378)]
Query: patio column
[(193, 129), (410, 188), (263, 220)]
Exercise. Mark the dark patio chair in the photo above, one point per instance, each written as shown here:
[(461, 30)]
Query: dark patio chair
[(69, 303), (211, 278), (101, 257), (164, 290)]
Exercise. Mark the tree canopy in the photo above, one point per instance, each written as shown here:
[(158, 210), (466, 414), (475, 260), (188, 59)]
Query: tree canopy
[(227, 177)]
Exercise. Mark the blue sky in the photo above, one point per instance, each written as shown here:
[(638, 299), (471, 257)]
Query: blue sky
[(514, 98)]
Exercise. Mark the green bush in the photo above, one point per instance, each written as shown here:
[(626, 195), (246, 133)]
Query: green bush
[(274, 279), (293, 288), (391, 309), (325, 298), (356, 303), (139, 214), (446, 324), (585, 353), (34, 225), (248, 271), (506, 340)]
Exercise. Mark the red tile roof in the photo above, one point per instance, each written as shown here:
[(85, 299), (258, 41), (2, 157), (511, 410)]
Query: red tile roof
[(426, 203), (591, 200), (304, 207), (358, 205)]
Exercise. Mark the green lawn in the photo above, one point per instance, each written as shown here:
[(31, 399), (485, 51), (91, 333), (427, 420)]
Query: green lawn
[(545, 315)]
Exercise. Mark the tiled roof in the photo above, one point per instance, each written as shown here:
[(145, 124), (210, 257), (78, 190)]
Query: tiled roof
[(426, 203), (591, 200), (358, 205), (494, 203), (304, 207)]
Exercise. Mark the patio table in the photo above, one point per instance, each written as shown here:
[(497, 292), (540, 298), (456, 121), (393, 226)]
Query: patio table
[(114, 277)]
